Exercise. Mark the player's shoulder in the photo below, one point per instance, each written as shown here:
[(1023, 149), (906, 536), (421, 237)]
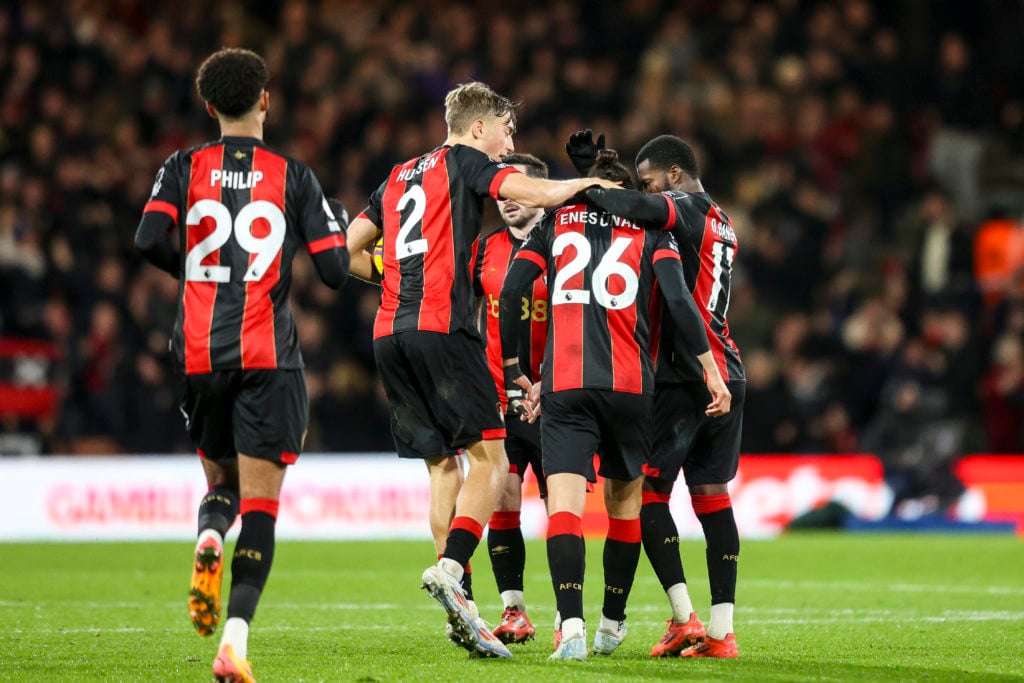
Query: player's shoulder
[(470, 156), (699, 199), (491, 237)]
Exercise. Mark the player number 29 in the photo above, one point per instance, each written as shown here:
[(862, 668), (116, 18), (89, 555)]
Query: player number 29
[(265, 248), (606, 268)]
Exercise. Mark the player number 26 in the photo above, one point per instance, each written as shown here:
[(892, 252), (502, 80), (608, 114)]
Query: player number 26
[(606, 268), (265, 248)]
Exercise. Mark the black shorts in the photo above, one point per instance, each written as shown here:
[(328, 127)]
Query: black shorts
[(441, 394), (579, 422), (259, 413), (706, 449), (522, 445)]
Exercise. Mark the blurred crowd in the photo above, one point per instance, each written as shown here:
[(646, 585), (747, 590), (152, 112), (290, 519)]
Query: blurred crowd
[(871, 155)]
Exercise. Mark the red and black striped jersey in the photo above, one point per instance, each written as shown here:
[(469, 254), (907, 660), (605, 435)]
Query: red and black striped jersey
[(491, 257), (243, 210), (429, 210), (707, 245), (601, 281)]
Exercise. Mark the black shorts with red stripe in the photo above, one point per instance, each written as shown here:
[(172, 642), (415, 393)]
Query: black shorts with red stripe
[(440, 392), (706, 449), (579, 422), (259, 413)]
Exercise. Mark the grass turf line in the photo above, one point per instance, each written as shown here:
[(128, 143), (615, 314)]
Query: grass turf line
[(810, 607)]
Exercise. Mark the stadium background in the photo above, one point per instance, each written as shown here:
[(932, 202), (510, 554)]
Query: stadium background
[(871, 155)]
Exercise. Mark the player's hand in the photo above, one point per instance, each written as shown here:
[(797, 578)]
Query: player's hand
[(721, 399), (531, 404), (516, 388), (582, 149), (603, 183)]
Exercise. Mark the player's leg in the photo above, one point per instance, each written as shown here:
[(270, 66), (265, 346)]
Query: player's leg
[(473, 507), (505, 542), (625, 445), (217, 512), (567, 559), (570, 434), (260, 481), (676, 422), (475, 502), (457, 397), (445, 482), (270, 413), (620, 560), (207, 406), (708, 469)]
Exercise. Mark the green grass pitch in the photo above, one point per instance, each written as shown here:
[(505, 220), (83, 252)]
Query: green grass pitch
[(819, 607)]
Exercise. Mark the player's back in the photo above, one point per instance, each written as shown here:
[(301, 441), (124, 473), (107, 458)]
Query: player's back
[(707, 247), (600, 278), (429, 210), (243, 205)]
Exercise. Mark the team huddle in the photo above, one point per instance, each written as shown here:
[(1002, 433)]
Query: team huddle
[(598, 327)]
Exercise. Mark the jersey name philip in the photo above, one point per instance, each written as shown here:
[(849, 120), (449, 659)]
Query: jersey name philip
[(235, 180)]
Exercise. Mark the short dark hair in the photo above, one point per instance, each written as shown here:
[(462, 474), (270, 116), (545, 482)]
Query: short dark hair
[(608, 166), (535, 168), (232, 80), (666, 151)]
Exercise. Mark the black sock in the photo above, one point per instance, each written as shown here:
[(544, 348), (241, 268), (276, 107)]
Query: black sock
[(218, 510), (463, 538), (508, 557), (567, 562), (621, 556), (250, 566), (661, 542), (723, 545)]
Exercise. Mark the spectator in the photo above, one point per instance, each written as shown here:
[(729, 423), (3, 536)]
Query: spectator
[(803, 110)]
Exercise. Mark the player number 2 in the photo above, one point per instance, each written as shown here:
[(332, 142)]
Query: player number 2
[(404, 247), (606, 268), (265, 248)]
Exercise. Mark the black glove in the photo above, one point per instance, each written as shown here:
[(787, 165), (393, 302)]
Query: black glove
[(516, 394), (582, 149)]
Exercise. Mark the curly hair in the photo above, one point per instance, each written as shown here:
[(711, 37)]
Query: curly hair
[(232, 80)]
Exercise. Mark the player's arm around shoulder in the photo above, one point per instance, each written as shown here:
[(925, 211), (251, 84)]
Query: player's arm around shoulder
[(543, 193), (650, 211)]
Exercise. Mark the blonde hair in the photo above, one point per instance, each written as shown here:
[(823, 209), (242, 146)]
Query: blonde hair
[(472, 101)]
